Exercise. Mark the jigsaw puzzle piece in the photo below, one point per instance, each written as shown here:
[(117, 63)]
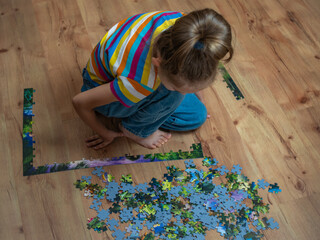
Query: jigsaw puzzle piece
[(103, 214), (274, 188), (119, 235), (96, 205), (87, 179), (263, 184), (223, 169), (236, 169), (98, 171)]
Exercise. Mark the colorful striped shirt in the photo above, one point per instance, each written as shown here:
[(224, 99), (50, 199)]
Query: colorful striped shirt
[(123, 56)]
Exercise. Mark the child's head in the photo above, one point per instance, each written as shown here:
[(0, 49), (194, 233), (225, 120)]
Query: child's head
[(190, 50)]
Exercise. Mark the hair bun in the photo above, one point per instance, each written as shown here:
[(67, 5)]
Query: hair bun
[(193, 46), (199, 45)]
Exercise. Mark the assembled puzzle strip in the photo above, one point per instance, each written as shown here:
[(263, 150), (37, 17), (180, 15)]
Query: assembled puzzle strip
[(127, 159), (28, 148), (27, 138), (231, 85)]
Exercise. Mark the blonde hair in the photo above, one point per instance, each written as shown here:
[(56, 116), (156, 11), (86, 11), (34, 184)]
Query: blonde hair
[(192, 47)]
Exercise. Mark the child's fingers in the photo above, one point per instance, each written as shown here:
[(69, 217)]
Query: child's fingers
[(102, 145), (94, 137), (94, 143), (119, 134)]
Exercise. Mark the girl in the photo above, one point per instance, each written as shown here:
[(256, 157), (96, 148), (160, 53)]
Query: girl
[(148, 71)]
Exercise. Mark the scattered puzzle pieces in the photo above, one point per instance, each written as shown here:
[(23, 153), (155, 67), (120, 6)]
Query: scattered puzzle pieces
[(184, 205)]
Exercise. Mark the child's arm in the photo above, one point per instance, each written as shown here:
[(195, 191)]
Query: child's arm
[(85, 102)]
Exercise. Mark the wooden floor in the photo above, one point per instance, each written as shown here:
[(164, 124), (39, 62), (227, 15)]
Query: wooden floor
[(273, 133)]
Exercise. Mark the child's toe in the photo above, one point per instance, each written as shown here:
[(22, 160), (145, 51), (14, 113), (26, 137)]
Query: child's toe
[(166, 135)]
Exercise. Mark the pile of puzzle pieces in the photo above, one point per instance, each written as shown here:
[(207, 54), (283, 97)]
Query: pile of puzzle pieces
[(184, 205)]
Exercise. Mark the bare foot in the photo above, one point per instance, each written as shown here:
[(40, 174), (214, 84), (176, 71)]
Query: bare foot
[(153, 141)]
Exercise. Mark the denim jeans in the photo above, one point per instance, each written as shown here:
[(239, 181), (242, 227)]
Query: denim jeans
[(161, 109)]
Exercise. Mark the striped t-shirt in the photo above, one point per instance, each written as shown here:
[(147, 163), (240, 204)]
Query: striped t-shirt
[(123, 56)]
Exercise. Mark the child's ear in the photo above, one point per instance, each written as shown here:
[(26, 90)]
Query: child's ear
[(156, 61)]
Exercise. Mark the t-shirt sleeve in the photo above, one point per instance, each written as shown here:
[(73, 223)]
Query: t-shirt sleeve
[(129, 91)]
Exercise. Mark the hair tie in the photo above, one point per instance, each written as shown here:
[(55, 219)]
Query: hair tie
[(199, 45)]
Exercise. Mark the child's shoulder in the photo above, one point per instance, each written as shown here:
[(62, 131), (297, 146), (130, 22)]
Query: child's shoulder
[(154, 16)]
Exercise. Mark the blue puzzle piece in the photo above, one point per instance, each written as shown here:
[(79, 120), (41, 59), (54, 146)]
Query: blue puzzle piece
[(125, 215), (222, 170), (134, 235), (229, 204), (112, 191), (220, 190), (163, 217), (142, 187), (263, 184), (196, 199), (87, 179), (127, 187), (103, 214), (236, 169), (112, 223), (272, 224), (189, 164), (98, 171), (139, 223), (149, 224), (175, 191), (118, 234), (96, 205)]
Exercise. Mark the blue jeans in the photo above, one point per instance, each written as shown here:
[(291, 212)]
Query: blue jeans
[(162, 109)]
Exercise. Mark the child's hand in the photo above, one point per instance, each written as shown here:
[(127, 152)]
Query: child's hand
[(97, 142)]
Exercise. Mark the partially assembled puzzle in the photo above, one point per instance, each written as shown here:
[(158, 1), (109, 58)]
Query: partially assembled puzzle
[(29, 143), (185, 204)]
